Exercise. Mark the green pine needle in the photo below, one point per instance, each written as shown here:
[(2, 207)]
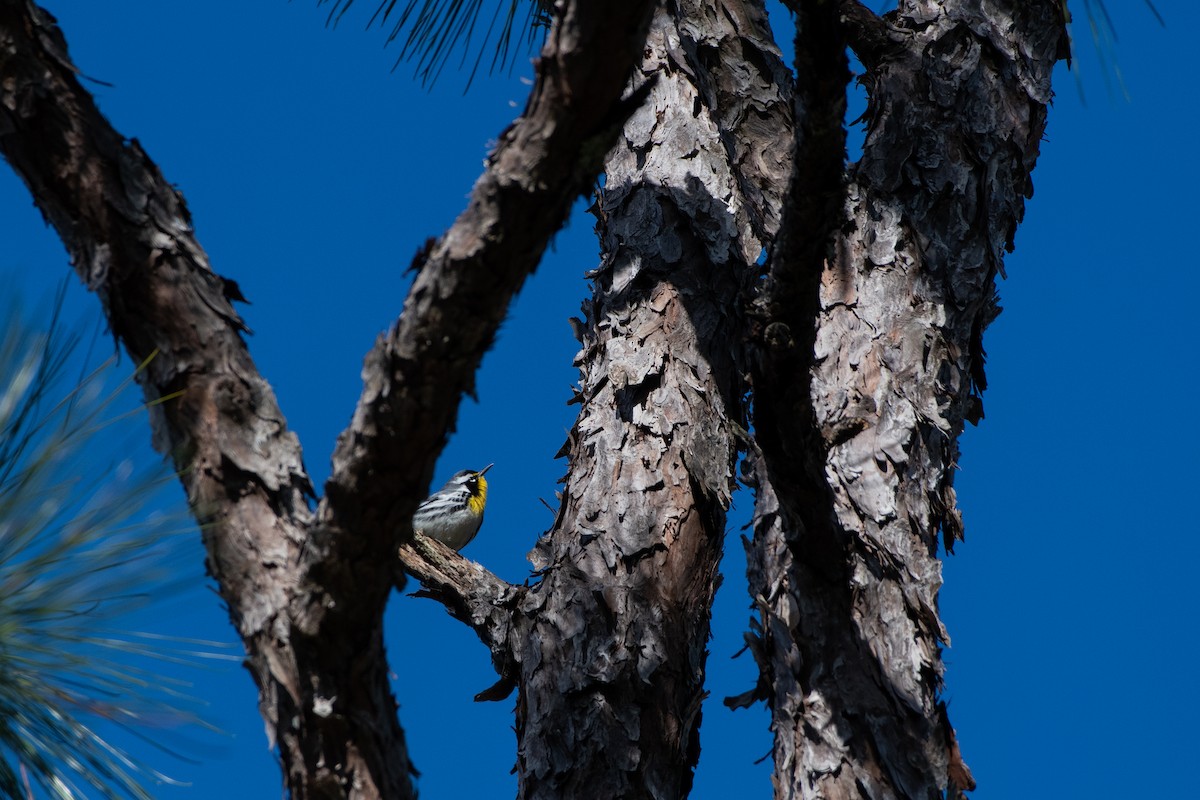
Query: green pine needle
[(78, 549)]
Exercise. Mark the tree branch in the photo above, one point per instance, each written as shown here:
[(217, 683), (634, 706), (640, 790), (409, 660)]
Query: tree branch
[(782, 334), (320, 667), (472, 595)]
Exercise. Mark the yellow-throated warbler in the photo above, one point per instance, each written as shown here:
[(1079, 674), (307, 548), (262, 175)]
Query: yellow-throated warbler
[(453, 513)]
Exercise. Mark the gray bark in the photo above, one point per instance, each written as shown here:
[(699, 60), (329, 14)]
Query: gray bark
[(858, 415)]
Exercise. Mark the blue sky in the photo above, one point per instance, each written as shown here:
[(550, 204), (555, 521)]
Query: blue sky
[(314, 173)]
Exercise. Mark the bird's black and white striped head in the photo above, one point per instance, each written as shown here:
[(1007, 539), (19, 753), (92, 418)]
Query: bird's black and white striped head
[(471, 480)]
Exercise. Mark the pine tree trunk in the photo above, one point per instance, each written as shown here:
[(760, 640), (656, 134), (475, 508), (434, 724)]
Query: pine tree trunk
[(611, 677), (858, 416)]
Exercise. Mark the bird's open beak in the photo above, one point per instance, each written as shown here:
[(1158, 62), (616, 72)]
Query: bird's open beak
[(485, 469)]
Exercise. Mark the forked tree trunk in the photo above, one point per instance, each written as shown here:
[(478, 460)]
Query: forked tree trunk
[(862, 346), (307, 592)]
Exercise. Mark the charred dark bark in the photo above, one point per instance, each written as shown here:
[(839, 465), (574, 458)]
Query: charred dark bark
[(858, 415)]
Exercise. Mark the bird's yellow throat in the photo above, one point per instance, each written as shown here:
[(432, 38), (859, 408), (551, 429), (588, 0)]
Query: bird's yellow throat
[(478, 500)]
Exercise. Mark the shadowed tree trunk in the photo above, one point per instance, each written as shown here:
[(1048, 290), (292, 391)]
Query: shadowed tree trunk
[(860, 344)]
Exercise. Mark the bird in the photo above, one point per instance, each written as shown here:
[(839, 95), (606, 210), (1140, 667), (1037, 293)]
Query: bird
[(453, 513)]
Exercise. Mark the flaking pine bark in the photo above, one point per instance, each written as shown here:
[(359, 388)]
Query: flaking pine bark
[(869, 359), (612, 672), (859, 346)]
